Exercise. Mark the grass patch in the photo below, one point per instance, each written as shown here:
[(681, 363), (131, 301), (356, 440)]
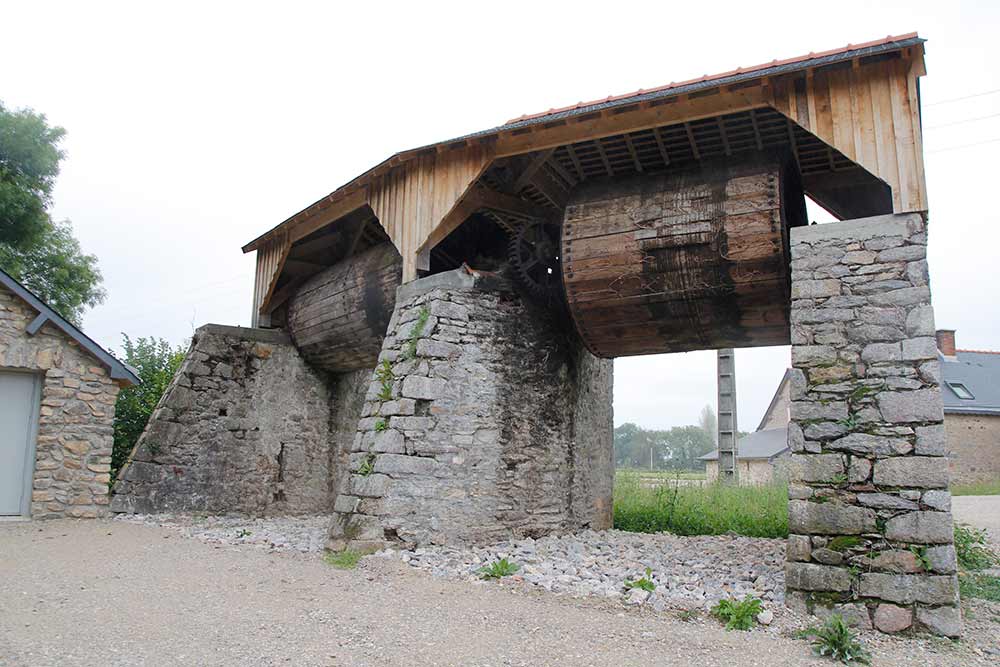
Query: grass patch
[(977, 489), (976, 585), (343, 560), (663, 475), (712, 509)]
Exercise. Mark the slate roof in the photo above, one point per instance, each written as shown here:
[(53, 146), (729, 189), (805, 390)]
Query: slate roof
[(758, 445), (118, 370), (979, 371)]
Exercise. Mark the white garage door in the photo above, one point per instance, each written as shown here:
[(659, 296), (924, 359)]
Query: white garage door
[(18, 419)]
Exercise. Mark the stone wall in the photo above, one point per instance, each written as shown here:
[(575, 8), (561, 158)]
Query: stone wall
[(486, 419), (75, 425), (869, 509), (973, 447), (246, 426)]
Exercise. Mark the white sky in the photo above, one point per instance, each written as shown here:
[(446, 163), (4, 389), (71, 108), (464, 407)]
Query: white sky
[(194, 127)]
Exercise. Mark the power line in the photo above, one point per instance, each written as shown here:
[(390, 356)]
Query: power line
[(964, 97), (972, 145), (960, 122)]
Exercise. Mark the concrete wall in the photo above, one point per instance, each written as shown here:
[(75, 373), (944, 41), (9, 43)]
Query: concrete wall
[(495, 422), (869, 491), (973, 447), (245, 427), (777, 415), (76, 418)]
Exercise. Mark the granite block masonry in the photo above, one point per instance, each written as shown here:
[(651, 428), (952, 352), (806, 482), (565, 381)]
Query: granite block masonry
[(246, 426), (486, 419), (869, 509)]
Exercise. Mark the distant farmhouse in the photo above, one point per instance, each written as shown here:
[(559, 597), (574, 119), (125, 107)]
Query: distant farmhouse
[(762, 455), (970, 387)]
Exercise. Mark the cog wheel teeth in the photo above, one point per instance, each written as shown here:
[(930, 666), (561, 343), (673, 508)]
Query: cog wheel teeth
[(534, 255)]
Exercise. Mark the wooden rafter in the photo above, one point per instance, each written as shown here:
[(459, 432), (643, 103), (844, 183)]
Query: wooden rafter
[(659, 144), (631, 151), (691, 141), (604, 157), (576, 161)]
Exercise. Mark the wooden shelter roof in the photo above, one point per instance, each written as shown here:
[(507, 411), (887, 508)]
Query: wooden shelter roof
[(525, 124)]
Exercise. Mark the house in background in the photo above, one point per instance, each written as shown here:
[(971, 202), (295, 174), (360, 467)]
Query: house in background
[(763, 455), (57, 408), (970, 387)]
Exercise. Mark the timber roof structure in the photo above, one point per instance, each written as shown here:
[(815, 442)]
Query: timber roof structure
[(849, 116)]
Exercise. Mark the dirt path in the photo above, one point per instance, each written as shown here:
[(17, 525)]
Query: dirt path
[(121, 594)]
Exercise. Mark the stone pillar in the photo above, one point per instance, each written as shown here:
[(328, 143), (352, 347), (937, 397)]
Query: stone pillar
[(869, 506), (486, 419)]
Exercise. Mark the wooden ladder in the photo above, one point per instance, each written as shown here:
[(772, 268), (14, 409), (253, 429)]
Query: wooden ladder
[(726, 365)]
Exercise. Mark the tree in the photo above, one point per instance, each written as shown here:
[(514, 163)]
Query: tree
[(155, 363), (709, 423), (37, 251), (29, 164), (57, 271)]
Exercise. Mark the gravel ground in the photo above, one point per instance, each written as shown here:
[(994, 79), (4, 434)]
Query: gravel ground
[(128, 593), (689, 572)]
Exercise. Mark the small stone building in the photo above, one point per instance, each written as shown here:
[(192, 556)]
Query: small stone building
[(57, 406)]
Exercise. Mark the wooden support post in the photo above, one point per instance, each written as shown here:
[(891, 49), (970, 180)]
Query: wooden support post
[(726, 365)]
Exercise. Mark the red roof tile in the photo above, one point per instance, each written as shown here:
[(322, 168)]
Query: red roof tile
[(705, 77)]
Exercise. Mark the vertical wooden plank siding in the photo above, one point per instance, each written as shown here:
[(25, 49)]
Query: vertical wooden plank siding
[(870, 114), (270, 258), (411, 199)]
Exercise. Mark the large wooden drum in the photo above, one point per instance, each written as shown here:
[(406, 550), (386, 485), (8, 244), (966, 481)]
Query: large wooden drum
[(339, 317), (682, 261)]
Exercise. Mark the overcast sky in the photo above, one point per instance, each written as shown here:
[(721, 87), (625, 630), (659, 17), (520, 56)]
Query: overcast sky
[(195, 127)]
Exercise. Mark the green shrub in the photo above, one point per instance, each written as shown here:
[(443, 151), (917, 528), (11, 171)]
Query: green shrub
[(381, 425), (712, 509), (156, 363), (972, 549), (836, 640), (499, 569), (644, 583), (738, 614), (343, 560)]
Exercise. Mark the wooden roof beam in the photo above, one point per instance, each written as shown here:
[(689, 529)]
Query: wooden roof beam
[(631, 151)]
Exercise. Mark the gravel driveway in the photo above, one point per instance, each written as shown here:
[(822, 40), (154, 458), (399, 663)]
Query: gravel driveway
[(115, 593)]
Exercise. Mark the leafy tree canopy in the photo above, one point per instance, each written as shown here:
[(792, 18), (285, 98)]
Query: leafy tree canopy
[(156, 363), (29, 164), (57, 271), (37, 251)]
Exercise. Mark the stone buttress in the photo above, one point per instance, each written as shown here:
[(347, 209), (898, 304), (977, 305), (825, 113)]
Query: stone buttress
[(485, 419)]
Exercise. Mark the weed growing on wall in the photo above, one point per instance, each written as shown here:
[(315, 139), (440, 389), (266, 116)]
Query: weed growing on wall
[(416, 332), (367, 466), (386, 377)]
